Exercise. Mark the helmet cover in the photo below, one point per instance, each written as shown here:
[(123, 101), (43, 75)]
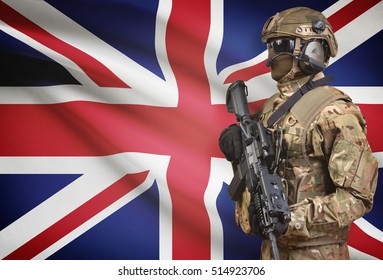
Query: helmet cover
[(301, 22)]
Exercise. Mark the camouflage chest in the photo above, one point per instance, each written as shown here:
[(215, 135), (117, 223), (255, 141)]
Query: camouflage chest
[(302, 162)]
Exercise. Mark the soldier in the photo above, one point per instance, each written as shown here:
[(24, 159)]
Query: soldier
[(324, 159)]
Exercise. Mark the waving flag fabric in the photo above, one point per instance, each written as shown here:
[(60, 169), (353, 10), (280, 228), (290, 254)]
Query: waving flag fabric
[(110, 116)]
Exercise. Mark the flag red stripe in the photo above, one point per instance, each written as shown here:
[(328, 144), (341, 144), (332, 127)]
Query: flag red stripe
[(338, 20), (97, 71), (361, 241), (188, 173), (96, 129), (92, 129), (77, 217), (350, 12)]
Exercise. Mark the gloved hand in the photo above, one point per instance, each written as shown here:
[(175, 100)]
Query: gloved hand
[(230, 142)]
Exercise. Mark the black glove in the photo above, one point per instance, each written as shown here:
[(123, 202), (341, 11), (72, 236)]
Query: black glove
[(230, 142)]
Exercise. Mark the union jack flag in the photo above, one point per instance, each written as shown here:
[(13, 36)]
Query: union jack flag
[(110, 117)]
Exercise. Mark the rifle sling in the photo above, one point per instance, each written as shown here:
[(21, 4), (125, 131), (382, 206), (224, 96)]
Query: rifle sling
[(286, 106)]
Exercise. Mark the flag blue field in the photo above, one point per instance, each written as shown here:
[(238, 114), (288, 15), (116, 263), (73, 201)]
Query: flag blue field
[(110, 117)]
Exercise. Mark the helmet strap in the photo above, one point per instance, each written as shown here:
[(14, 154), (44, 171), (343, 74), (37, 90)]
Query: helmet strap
[(295, 67)]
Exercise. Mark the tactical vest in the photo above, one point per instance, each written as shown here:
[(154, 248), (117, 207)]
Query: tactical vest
[(303, 164)]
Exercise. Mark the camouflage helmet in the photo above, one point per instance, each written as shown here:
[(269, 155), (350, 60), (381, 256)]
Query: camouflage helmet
[(301, 22)]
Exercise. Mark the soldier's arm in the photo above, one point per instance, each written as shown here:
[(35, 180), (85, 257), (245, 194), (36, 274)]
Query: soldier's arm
[(352, 167)]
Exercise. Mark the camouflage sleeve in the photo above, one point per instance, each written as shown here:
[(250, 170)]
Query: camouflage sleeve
[(352, 168)]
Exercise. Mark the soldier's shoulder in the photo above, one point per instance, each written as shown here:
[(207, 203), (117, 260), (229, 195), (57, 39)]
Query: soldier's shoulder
[(342, 105)]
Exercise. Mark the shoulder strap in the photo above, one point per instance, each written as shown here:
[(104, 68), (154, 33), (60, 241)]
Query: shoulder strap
[(312, 103), (286, 106)]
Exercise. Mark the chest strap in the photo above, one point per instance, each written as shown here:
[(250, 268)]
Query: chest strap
[(286, 106)]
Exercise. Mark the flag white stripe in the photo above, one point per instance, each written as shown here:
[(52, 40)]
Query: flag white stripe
[(379, 158), (336, 7), (213, 46), (259, 89), (364, 95), (220, 170), (163, 14), (358, 255)]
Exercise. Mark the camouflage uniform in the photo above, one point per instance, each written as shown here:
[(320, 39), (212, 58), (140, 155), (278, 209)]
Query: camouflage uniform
[(330, 172)]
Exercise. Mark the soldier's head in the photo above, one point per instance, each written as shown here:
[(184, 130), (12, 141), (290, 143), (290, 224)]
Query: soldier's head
[(300, 42)]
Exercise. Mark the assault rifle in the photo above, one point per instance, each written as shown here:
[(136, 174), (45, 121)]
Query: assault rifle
[(269, 211)]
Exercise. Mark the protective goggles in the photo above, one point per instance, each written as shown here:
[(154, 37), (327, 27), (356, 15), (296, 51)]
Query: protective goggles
[(282, 45)]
